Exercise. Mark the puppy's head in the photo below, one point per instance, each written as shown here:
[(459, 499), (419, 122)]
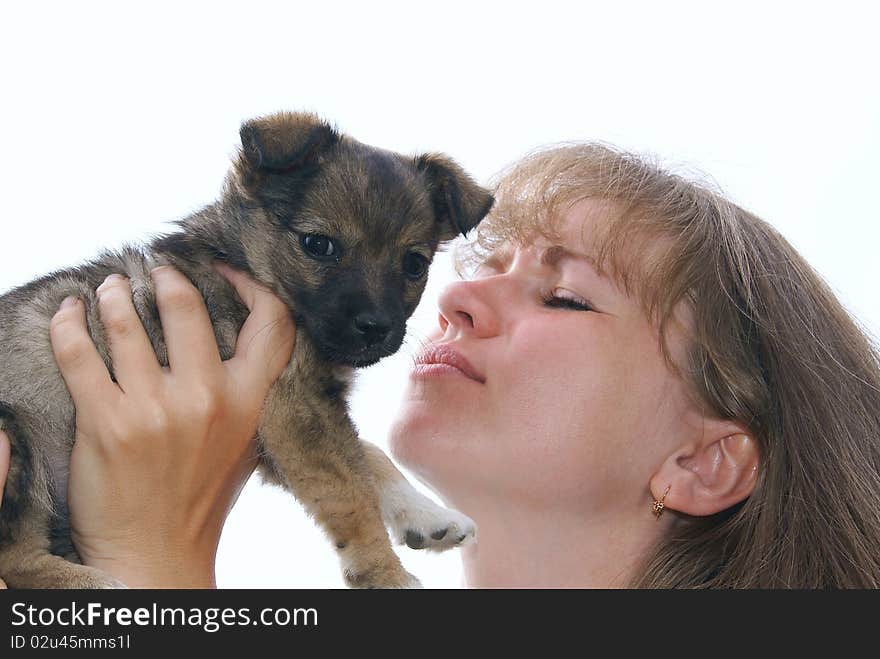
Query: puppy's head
[(345, 232)]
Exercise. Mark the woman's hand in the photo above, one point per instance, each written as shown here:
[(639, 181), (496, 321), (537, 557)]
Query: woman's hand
[(162, 453), (4, 468)]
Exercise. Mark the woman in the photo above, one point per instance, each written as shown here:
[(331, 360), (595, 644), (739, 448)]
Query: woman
[(651, 389)]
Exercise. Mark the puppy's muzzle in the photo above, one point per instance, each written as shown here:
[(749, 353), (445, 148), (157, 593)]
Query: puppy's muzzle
[(359, 338)]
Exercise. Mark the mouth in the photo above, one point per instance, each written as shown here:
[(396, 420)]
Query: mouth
[(357, 359), (440, 359), (347, 359)]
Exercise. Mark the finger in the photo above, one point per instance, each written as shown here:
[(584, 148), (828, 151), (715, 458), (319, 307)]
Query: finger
[(189, 335), (264, 345), (5, 450), (134, 360), (244, 285), (265, 342), (81, 366)]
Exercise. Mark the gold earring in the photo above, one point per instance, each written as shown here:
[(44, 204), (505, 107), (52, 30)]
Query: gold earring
[(658, 505)]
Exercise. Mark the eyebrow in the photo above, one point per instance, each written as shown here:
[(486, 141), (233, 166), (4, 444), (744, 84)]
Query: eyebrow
[(549, 256), (497, 258), (553, 254)]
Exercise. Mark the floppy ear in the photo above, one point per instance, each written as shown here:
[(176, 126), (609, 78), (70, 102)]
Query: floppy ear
[(459, 203), (284, 141), (712, 474)]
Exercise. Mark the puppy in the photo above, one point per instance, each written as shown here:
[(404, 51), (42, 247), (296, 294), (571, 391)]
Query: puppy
[(344, 234)]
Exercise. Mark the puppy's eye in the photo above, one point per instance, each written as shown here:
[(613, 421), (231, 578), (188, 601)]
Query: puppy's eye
[(319, 247), (414, 265)]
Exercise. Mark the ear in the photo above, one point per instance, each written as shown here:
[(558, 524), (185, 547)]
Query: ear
[(712, 474), (284, 140), (459, 203)]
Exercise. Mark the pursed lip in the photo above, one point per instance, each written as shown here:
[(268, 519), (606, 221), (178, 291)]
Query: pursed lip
[(444, 354)]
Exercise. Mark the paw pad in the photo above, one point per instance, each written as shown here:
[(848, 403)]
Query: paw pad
[(415, 540)]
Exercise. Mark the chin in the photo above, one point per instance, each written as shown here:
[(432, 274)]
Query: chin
[(356, 361), (359, 359), (343, 355), (418, 436), (406, 437), (427, 458)]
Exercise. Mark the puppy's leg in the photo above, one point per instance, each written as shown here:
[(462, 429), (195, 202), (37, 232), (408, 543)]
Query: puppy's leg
[(25, 562), (313, 448), (25, 518), (413, 518)]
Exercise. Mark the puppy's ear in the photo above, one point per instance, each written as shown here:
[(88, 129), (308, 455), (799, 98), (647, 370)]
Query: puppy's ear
[(284, 141), (459, 203)]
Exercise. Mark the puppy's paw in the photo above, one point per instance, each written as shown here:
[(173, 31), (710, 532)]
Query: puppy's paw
[(443, 530), (109, 584), (58, 573), (419, 523), (379, 576), (90, 578)]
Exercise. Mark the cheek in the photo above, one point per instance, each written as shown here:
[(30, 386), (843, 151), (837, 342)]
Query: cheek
[(561, 420), (528, 433), (578, 403), (562, 375)]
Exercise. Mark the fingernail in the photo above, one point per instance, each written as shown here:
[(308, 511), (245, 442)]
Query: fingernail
[(159, 268), (68, 302), (108, 280)]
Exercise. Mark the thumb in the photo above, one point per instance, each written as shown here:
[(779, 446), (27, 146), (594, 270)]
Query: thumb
[(4, 469), (5, 450), (266, 340)]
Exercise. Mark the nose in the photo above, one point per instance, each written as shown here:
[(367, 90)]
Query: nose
[(467, 307), (372, 327)]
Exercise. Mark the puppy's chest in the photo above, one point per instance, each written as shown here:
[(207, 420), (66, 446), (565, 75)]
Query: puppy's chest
[(311, 381)]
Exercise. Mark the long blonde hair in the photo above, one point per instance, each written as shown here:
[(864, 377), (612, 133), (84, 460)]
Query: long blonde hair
[(770, 347)]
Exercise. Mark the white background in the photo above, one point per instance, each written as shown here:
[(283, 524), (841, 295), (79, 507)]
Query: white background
[(116, 120)]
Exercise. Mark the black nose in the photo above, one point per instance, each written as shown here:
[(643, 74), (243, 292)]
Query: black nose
[(372, 327)]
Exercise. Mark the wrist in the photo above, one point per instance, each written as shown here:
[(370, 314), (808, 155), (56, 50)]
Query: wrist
[(157, 569), (172, 574)]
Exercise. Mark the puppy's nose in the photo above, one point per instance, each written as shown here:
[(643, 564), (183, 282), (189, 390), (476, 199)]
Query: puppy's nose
[(372, 327)]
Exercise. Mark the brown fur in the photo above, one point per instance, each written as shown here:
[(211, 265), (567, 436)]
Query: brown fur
[(295, 176)]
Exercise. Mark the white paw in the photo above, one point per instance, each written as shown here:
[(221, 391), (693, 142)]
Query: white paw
[(419, 523)]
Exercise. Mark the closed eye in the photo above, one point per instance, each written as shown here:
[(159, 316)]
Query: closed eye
[(559, 298)]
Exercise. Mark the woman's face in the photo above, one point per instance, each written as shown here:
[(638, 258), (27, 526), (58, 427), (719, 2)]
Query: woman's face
[(559, 394)]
